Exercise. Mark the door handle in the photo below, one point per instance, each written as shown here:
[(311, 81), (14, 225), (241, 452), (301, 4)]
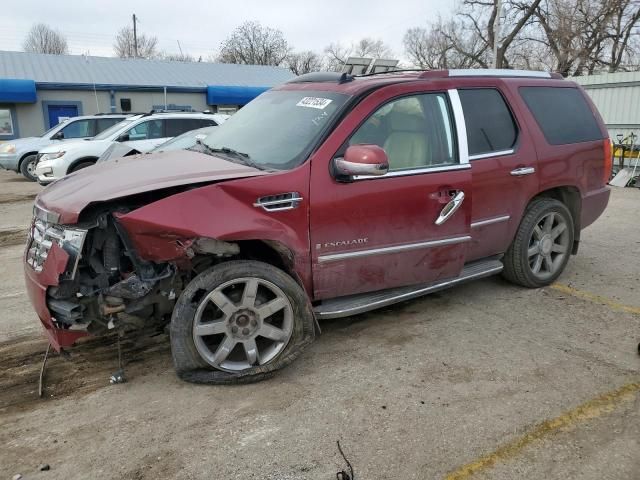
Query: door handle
[(521, 171), (450, 208)]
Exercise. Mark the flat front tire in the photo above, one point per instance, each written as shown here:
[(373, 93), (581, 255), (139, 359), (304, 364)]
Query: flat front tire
[(542, 245), (239, 322)]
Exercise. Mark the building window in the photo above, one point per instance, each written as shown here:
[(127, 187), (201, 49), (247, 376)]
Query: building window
[(227, 109), (6, 122)]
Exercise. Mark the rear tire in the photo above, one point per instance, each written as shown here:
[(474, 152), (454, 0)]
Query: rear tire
[(81, 165), (28, 168), (542, 245), (239, 322)]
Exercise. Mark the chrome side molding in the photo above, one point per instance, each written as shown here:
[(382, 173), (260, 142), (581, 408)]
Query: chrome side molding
[(490, 221), (333, 257)]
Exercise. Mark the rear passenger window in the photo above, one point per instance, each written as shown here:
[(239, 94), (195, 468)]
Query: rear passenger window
[(562, 114), (490, 126), (178, 126), (104, 123)]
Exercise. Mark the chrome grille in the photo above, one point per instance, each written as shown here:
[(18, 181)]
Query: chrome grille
[(44, 232), (42, 237)]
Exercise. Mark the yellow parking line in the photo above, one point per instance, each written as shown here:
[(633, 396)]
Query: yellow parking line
[(592, 297), (594, 408)]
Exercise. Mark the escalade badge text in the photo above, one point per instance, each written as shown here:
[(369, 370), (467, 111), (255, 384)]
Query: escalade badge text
[(342, 243)]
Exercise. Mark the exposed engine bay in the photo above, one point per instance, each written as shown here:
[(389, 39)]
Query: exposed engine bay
[(106, 285)]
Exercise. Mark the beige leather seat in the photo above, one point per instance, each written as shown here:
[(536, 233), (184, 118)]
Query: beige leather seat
[(406, 145)]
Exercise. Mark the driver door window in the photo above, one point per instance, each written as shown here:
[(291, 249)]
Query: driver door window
[(416, 132), (149, 130)]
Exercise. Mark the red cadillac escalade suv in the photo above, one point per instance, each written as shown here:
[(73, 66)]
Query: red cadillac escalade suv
[(328, 196)]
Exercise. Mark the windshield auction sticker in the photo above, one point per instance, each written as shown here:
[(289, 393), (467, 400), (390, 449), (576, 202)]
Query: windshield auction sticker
[(314, 102)]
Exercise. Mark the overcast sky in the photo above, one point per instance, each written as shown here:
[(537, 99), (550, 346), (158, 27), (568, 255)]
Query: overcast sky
[(200, 26)]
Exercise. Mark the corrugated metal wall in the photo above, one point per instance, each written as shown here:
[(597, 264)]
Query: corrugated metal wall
[(617, 96)]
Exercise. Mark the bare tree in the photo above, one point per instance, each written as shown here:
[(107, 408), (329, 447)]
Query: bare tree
[(369, 47), (304, 62), (572, 37), (177, 57), (336, 54), (43, 39), (125, 46), (479, 16), (623, 50), (253, 44), (445, 45)]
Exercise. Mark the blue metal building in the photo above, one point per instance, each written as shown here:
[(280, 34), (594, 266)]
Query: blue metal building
[(37, 91)]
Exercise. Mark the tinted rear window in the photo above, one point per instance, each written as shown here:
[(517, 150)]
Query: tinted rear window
[(490, 126), (562, 114)]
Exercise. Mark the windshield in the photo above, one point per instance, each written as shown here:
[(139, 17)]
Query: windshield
[(117, 150), (111, 130), (186, 140), (58, 125), (278, 128)]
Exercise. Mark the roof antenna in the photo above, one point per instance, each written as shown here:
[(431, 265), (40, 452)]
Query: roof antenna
[(345, 77)]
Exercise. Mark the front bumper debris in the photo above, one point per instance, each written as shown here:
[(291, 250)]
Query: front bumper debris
[(52, 255)]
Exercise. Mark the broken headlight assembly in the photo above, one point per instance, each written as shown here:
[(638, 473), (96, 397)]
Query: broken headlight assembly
[(44, 232)]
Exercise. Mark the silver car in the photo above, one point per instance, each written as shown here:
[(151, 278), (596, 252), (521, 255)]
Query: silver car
[(19, 155)]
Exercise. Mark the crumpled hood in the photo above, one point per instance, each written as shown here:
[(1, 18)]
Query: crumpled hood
[(126, 176)]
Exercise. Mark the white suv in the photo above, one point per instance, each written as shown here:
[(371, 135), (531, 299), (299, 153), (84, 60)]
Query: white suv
[(141, 132), (20, 155)]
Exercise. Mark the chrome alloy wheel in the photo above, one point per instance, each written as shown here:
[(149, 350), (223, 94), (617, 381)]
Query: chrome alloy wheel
[(548, 245), (242, 323)]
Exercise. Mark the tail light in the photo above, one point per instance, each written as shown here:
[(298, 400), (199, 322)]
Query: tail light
[(608, 160)]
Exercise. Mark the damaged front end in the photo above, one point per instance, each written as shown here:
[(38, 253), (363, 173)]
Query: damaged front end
[(86, 279)]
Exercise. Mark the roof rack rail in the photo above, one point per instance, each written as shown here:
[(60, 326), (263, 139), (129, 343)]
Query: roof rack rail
[(388, 72), (155, 112), (489, 72), (470, 72)]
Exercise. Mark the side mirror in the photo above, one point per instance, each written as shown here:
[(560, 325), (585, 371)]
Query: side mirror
[(58, 136), (123, 138), (362, 160)]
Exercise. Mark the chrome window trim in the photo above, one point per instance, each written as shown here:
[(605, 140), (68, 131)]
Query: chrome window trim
[(333, 257), (461, 126), (414, 171), (497, 72), (498, 153), (490, 221)]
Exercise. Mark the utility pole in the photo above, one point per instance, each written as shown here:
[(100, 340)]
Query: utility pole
[(135, 37), (497, 32)]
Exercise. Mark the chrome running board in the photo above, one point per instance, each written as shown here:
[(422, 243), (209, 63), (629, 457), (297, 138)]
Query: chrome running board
[(364, 302)]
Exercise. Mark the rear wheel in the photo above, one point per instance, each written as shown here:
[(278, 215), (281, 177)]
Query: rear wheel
[(542, 246), (28, 168), (239, 322), (81, 165)]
